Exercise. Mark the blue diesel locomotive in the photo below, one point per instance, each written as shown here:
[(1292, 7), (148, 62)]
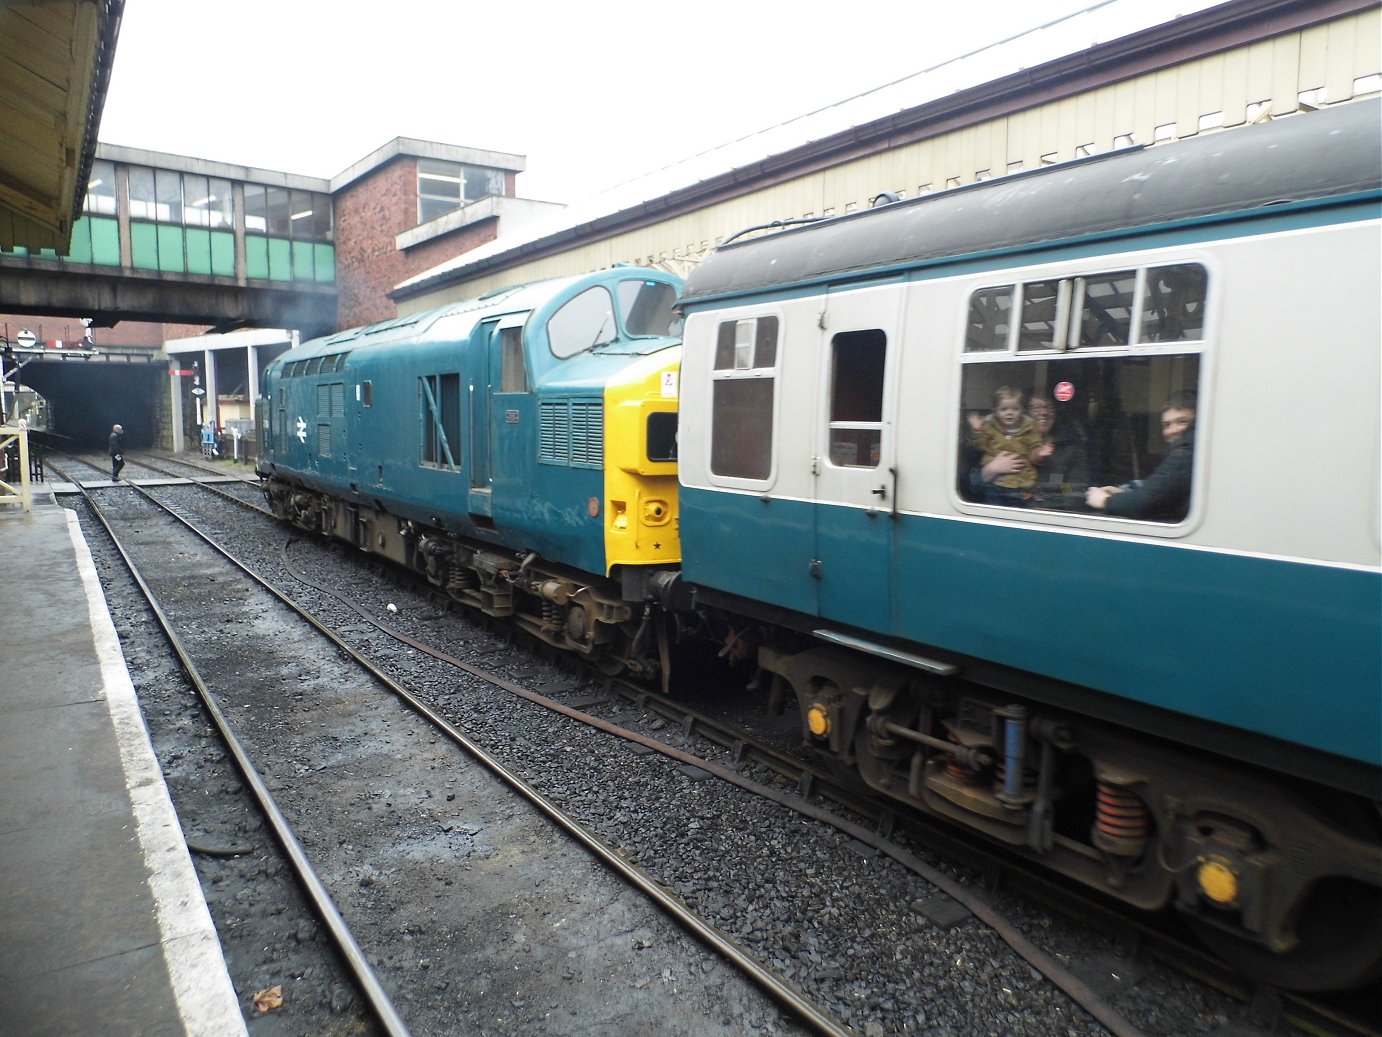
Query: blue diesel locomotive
[(518, 449), (1051, 502)]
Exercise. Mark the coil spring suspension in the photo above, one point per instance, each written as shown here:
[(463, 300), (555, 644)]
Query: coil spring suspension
[(459, 578), (1122, 823), (1000, 777), (552, 614)]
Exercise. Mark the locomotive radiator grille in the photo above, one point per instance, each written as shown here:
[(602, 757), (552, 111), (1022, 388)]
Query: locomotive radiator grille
[(572, 432)]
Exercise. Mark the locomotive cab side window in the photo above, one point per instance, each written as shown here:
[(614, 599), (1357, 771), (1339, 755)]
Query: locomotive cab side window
[(513, 374), (742, 396), (1079, 394)]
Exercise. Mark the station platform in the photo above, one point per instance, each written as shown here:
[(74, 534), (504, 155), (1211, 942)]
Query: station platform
[(103, 926)]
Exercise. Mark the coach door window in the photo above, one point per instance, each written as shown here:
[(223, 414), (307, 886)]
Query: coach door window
[(1091, 361), (741, 432), (856, 398)]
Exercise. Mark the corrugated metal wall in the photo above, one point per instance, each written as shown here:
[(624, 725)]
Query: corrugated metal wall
[(1323, 64)]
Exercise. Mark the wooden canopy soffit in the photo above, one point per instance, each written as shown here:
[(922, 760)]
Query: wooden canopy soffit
[(55, 61)]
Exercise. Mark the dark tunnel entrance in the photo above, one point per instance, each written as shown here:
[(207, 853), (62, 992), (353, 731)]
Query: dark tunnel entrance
[(84, 398)]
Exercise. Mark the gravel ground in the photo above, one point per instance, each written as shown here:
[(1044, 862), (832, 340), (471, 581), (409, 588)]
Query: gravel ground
[(846, 926)]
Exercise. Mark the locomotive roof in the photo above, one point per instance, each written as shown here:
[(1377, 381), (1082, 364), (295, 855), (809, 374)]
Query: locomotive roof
[(516, 298), (1332, 152)]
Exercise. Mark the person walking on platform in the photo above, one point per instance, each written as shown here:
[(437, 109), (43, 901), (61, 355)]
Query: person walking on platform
[(117, 452)]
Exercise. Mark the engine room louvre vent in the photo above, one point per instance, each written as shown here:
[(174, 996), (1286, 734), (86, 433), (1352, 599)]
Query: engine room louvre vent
[(572, 432)]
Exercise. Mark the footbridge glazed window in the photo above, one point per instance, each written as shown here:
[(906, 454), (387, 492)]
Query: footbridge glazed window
[(743, 390), (1080, 393)]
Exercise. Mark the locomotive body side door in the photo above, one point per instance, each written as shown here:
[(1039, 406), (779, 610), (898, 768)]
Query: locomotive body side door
[(480, 387), (854, 462)]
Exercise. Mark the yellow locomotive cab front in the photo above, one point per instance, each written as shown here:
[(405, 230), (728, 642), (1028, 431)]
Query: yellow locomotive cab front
[(641, 517)]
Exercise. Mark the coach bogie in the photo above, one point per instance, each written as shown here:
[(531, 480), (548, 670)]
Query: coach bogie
[(1239, 853)]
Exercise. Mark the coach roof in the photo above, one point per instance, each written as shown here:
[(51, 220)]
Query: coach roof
[(1326, 154)]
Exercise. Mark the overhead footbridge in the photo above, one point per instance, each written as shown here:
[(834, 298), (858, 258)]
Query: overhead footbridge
[(174, 239)]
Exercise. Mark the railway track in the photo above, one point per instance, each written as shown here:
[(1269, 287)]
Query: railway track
[(732, 754), (259, 724), (729, 754)]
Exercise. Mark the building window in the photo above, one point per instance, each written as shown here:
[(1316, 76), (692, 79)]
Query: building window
[(443, 187)]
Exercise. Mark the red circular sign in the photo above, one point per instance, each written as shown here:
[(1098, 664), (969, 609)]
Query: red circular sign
[(593, 506), (1064, 391)]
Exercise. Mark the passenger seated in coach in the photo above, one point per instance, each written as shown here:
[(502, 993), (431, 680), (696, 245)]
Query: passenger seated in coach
[(977, 476), (1165, 494), (1009, 430), (1066, 468)]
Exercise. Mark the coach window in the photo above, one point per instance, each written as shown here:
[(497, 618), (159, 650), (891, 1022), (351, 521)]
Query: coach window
[(990, 320), (583, 323), (1102, 353), (741, 433), (856, 398)]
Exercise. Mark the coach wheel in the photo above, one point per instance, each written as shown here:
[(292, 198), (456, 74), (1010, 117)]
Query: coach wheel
[(1340, 944)]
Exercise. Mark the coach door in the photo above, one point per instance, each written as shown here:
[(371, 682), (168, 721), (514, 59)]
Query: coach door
[(855, 467)]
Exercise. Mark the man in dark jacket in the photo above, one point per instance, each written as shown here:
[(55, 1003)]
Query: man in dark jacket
[(1165, 494), (117, 452)]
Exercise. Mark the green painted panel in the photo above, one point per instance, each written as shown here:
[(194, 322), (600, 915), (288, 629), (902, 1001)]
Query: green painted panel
[(105, 240), (144, 246), (198, 250), (257, 257), (302, 261), (80, 250), (170, 250), (223, 253), (326, 263), (280, 259)]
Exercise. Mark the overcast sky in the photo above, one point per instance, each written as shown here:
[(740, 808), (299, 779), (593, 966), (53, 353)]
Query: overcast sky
[(593, 93)]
